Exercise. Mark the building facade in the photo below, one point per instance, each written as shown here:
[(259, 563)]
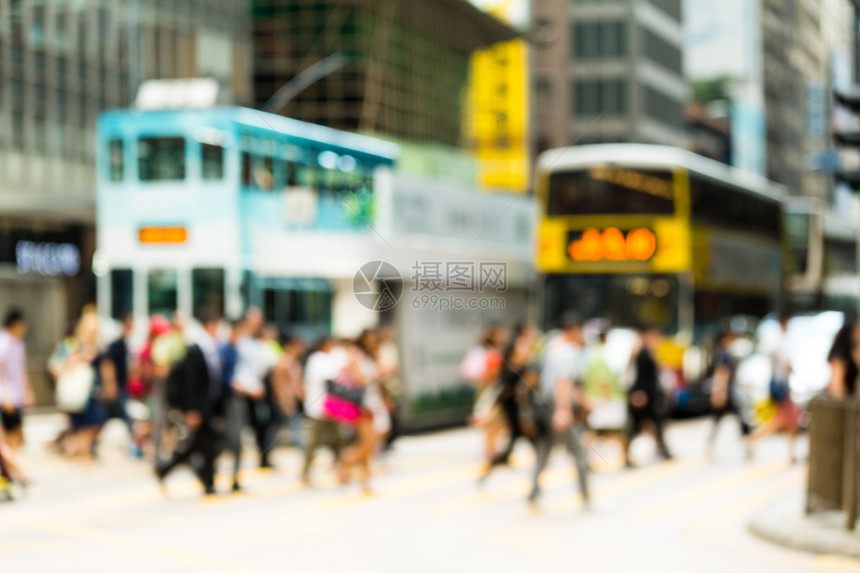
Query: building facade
[(390, 67), (609, 71), (61, 63), (779, 60)]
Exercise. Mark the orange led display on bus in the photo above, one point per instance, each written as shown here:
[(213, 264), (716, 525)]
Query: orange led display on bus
[(613, 244), (163, 235)]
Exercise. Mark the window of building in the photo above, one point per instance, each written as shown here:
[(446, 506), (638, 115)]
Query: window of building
[(115, 154), (16, 20), (162, 291), (17, 125), (212, 157), (663, 108), (671, 8), (36, 34), (600, 39), (600, 96), (662, 52), (207, 289), (121, 292), (161, 158), (61, 36)]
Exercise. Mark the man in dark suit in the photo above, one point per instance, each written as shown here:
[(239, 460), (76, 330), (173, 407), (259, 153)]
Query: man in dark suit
[(203, 400)]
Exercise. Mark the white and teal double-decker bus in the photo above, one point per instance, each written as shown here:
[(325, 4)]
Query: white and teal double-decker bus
[(231, 207)]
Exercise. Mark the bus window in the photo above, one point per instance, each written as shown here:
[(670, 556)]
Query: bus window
[(161, 158), (625, 300), (716, 202), (207, 289), (264, 174), (316, 305), (305, 175), (246, 170), (296, 310), (117, 172), (270, 304), (608, 190), (121, 292), (161, 288), (212, 157), (257, 172)]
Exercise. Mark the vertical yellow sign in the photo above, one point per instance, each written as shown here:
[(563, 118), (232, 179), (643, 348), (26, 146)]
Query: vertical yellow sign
[(498, 110)]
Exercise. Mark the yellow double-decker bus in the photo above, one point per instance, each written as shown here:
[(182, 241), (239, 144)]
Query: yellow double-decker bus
[(654, 235)]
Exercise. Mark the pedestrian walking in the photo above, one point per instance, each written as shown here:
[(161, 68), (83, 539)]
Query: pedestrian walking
[(115, 367), (842, 358), (515, 358), (287, 388), (646, 400), (144, 384), (787, 416), (372, 422), (561, 390), (604, 392), (257, 358), (724, 394), (392, 385), (323, 365), (80, 387), (234, 404), (202, 404), (481, 367), (15, 391), (168, 350)]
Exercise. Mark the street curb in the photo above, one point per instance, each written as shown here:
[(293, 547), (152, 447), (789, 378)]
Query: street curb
[(785, 524)]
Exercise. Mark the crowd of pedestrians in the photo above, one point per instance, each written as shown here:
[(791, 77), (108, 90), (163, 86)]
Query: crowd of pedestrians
[(189, 395), (558, 388)]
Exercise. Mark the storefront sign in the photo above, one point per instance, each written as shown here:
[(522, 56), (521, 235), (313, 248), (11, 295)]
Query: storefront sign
[(49, 259)]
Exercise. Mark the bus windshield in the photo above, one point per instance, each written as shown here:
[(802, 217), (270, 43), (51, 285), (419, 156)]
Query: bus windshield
[(611, 190), (626, 300)]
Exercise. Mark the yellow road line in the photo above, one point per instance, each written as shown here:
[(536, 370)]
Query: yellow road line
[(744, 507), (92, 534), (675, 506), (836, 564), (566, 476), (635, 480), (39, 546)]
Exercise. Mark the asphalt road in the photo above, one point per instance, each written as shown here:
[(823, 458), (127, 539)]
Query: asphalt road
[(426, 514)]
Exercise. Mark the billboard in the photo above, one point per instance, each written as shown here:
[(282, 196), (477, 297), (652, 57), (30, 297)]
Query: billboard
[(497, 110)]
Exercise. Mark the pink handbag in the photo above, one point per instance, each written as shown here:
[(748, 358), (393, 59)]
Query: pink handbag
[(341, 411), (343, 400)]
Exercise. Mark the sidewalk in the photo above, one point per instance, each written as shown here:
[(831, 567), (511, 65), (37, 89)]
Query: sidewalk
[(824, 533)]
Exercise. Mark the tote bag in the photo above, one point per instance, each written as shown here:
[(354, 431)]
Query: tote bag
[(74, 388)]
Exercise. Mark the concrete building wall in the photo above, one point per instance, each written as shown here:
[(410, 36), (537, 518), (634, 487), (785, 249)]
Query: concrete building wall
[(616, 71)]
